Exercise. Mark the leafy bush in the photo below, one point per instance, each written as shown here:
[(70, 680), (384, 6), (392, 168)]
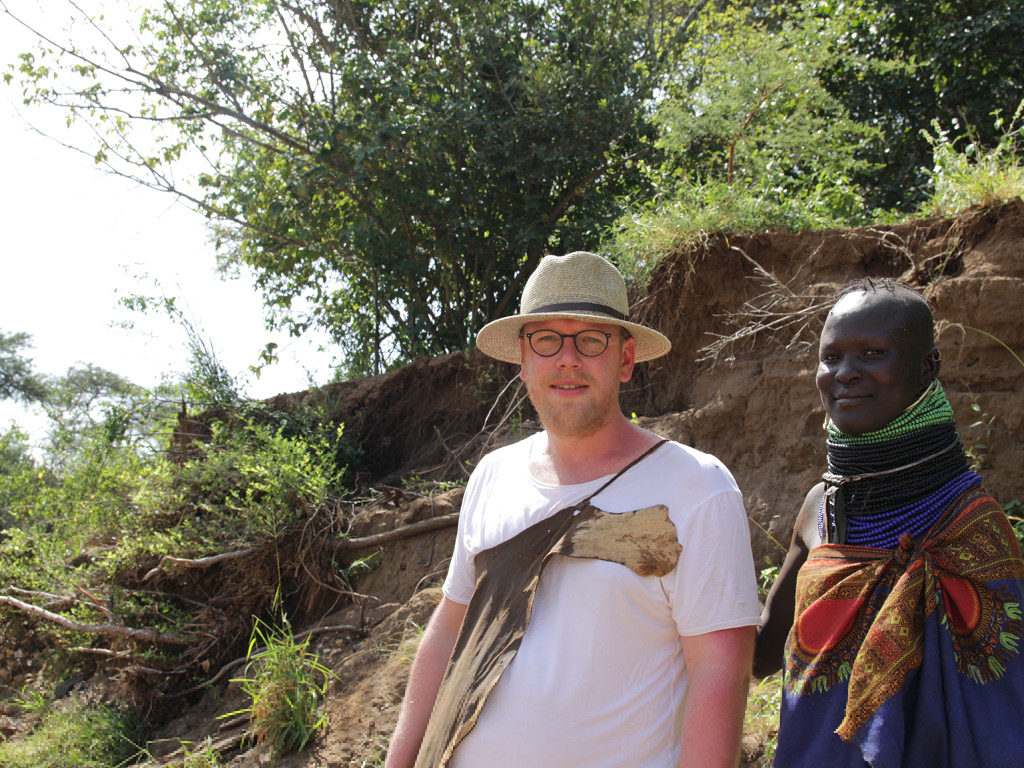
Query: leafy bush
[(255, 479), (88, 503), (974, 175), (80, 530), (80, 737)]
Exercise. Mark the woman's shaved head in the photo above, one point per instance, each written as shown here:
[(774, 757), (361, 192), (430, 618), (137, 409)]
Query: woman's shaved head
[(920, 325)]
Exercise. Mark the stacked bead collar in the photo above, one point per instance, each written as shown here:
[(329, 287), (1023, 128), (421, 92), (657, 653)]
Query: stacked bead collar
[(899, 479)]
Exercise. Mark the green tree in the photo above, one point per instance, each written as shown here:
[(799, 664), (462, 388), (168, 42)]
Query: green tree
[(748, 109), (391, 170), (20, 478), (955, 61), (90, 403), (17, 379)]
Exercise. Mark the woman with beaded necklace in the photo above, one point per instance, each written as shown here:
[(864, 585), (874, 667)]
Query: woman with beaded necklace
[(897, 612)]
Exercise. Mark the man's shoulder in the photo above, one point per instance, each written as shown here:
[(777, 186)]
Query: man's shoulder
[(514, 454), (684, 472), (688, 458)]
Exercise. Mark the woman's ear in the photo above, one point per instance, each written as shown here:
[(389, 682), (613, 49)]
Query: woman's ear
[(932, 364)]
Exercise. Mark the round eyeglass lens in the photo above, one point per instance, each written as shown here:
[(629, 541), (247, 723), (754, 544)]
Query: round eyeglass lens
[(591, 343)]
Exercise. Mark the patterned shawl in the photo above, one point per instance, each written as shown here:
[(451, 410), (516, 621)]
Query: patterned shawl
[(911, 655)]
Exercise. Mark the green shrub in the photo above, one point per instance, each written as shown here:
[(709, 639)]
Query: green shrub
[(286, 686), (255, 478), (975, 175), (79, 737)]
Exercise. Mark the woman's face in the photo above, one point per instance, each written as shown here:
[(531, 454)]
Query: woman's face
[(870, 366)]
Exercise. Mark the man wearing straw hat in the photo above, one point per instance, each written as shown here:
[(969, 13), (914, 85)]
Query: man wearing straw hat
[(601, 601)]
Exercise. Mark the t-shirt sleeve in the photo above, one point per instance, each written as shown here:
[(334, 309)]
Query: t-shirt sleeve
[(460, 583), (714, 586)]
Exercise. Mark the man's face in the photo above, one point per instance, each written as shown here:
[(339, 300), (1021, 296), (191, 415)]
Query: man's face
[(870, 369), (576, 395)]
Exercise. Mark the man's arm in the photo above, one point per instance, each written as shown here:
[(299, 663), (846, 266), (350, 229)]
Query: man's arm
[(719, 678), (777, 617), (428, 669)]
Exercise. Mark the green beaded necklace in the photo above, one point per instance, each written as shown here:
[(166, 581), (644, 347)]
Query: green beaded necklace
[(931, 408)]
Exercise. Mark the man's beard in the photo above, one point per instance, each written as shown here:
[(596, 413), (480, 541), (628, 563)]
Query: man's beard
[(575, 419)]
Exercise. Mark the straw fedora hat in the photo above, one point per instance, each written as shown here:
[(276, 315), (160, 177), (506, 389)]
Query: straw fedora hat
[(577, 286)]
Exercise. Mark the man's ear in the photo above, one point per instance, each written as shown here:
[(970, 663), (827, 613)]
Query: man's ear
[(932, 364), (628, 359)]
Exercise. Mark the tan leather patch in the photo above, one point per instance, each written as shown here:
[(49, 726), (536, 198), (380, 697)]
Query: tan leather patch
[(643, 540)]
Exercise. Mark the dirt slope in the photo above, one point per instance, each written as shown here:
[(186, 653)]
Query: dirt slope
[(750, 401)]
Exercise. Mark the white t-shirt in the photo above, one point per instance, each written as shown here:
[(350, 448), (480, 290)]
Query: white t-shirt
[(599, 680)]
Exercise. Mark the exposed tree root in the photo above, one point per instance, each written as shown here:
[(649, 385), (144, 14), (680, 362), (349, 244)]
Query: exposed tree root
[(364, 542), (108, 630), (202, 562)]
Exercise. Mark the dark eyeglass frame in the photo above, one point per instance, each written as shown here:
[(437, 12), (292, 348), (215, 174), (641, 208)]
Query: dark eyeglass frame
[(573, 336)]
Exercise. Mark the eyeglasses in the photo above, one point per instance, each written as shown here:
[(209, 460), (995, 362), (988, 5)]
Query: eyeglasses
[(547, 343)]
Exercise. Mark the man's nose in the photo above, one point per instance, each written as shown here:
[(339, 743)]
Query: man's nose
[(568, 356)]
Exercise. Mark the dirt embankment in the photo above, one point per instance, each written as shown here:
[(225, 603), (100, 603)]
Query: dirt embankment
[(755, 405), (747, 397)]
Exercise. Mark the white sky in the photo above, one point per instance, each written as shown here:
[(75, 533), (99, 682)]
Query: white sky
[(76, 240)]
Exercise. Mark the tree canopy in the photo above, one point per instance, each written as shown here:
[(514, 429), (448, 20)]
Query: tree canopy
[(751, 109), (956, 61), (392, 170), (17, 379)]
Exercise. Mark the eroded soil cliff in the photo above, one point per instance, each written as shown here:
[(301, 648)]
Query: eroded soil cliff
[(743, 314)]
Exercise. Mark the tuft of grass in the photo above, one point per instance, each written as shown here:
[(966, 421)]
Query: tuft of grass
[(201, 756), (77, 737), (695, 212), (761, 723), (286, 687), (975, 175), (32, 701)]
